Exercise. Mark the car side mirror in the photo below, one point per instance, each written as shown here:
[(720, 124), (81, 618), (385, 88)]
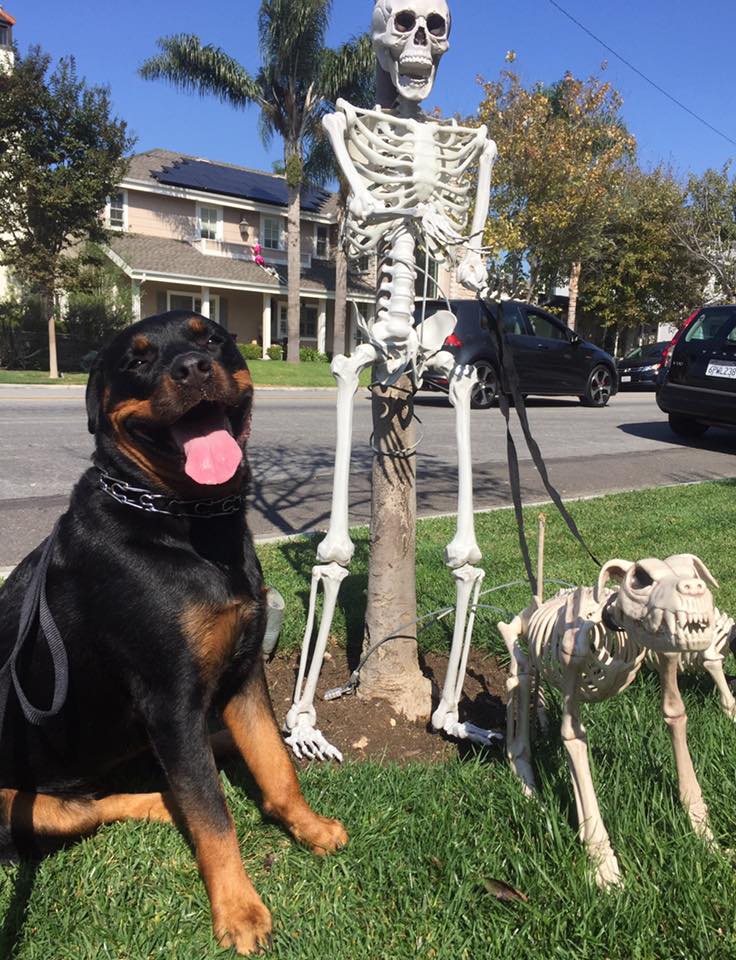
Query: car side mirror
[(575, 339)]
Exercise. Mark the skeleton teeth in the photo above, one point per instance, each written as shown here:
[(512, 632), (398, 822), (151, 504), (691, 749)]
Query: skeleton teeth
[(682, 618), (670, 622)]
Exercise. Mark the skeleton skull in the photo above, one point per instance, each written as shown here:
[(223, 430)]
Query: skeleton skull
[(664, 605), (409, 39)]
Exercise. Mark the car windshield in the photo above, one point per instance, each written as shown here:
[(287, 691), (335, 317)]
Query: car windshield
[(711, 324), (647, 351)]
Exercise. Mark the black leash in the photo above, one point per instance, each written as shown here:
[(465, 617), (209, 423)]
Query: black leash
[(35, 607), (509, 372)]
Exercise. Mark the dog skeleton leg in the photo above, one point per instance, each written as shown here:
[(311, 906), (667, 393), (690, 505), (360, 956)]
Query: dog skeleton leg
[(334, 553), (460, 555), (675, 717)]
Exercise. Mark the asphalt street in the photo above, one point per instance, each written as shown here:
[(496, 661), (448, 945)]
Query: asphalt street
[(44, 447)]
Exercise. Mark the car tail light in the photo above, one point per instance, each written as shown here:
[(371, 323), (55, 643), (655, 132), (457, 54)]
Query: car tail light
[(453, 341)]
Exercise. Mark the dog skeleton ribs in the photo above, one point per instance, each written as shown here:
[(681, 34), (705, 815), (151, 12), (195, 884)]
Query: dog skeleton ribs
[(409, 187)]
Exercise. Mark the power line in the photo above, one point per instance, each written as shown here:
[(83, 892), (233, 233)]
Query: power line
[(642, 75)]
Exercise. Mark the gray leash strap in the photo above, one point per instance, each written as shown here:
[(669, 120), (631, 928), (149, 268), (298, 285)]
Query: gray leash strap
[(35, 608)]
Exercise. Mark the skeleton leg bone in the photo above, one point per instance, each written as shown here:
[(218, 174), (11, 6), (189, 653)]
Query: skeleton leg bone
[(334, 553), (461, 553), (675, 717), (714, 667), (593, 832), (518, 747)]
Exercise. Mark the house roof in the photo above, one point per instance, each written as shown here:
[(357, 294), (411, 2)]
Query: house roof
[(178, 258), (6, 18), (182, 170)]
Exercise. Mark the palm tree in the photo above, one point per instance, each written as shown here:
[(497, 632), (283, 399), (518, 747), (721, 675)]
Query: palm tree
[(321, 167), (297, 80)]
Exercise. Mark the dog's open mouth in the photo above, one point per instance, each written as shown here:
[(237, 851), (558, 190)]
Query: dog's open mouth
[(210, 438)]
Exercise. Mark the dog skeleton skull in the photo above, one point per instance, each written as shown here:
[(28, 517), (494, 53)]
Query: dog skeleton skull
[(664, 605), (410, 37)]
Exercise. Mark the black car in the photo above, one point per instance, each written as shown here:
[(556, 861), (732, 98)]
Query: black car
[(698, 389), (640, 367), (551, 360)]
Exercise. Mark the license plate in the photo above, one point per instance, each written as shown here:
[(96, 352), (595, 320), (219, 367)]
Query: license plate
[(721, 370), (625, 379)]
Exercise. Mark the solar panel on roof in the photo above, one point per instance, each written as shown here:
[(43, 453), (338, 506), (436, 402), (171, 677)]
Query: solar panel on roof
[(212, 178)]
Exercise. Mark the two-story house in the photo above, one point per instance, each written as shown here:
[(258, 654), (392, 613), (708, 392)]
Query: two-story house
[(183, 229)]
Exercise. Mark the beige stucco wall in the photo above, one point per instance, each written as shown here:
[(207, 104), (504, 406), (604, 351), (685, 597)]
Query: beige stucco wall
[(241, 311), (156, 216)]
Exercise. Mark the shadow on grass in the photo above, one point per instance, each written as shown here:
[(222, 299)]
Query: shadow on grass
[(11, 934)]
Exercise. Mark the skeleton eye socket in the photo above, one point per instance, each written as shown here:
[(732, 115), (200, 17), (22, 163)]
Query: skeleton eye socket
[(436, 25), (640, 579), (405, 21)]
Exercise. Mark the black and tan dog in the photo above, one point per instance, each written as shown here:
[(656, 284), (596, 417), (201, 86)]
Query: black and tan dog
[(159, 600)]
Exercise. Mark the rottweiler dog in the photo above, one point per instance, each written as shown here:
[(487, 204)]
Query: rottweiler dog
[(158, 597)]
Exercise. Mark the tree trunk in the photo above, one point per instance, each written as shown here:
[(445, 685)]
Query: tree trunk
[(48, 309), (294, 268), (392, 673), (574, 286), (341, 301)]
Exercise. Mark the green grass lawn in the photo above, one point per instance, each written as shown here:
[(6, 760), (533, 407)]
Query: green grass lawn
[(266, 373), (425, 840)]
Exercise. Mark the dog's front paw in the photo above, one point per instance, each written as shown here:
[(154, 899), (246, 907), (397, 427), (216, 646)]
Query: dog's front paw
[(322, 835), (246, 927)]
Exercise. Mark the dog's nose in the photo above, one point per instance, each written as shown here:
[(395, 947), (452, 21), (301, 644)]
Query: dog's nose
[(192, 369)]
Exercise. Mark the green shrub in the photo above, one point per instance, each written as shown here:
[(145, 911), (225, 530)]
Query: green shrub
[(311, 355), (250, 351), (275, 352)]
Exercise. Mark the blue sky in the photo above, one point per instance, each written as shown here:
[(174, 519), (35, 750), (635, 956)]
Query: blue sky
[(686, 49)]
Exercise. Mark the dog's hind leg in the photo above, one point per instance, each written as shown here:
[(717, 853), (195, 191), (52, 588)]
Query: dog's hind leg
[(250, 719), (44, 815)]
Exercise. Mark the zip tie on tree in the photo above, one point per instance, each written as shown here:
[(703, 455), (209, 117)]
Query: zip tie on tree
[(350, 686)]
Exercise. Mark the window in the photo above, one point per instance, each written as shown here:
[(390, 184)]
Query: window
[(116, 211), (210, 220), (364, 264), (187, 301), (321, 241), (427, 273), (543, 327), (5, 35), (272, 234), (308, 323), (709, 324)]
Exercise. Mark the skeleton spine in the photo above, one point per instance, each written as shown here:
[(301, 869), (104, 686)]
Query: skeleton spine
[(395, 299)]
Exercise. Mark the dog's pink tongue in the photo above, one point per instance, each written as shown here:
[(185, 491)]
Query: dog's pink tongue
[(212, 455)]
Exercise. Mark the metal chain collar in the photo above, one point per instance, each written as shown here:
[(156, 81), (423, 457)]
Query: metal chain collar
[(143, 499)]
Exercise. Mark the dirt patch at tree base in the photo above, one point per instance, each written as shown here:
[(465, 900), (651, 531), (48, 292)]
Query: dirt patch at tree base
[(369, 729)]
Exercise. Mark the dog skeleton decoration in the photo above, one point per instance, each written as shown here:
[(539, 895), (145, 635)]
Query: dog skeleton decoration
[(590, 645), (407, 175)]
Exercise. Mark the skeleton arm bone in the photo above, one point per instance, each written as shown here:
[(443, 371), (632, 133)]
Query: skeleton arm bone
[(362, 203), (472, 272)]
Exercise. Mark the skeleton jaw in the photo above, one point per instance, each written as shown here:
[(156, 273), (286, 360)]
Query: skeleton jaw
[(673, 631), (413, 77)]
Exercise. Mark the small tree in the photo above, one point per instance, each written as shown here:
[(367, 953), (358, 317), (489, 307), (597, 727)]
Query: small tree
[(708, 228), (561, 152), (61, 155), (642, 274)]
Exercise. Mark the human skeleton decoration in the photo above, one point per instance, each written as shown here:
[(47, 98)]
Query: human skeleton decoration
[(590, 643), (407, 175)]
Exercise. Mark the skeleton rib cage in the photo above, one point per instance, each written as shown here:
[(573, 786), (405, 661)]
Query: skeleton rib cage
[(405, 162)]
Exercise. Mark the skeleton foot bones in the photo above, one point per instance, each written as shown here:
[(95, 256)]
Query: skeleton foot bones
[(590, 644)]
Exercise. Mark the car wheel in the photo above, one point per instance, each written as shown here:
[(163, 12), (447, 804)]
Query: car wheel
[(485, 391), (598, 391), (686, 427)]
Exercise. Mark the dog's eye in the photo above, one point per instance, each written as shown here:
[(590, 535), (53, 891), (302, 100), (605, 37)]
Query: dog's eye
[(214, 342)]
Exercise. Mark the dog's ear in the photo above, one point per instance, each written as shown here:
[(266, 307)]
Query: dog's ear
[(613, 570), (94, 394)]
